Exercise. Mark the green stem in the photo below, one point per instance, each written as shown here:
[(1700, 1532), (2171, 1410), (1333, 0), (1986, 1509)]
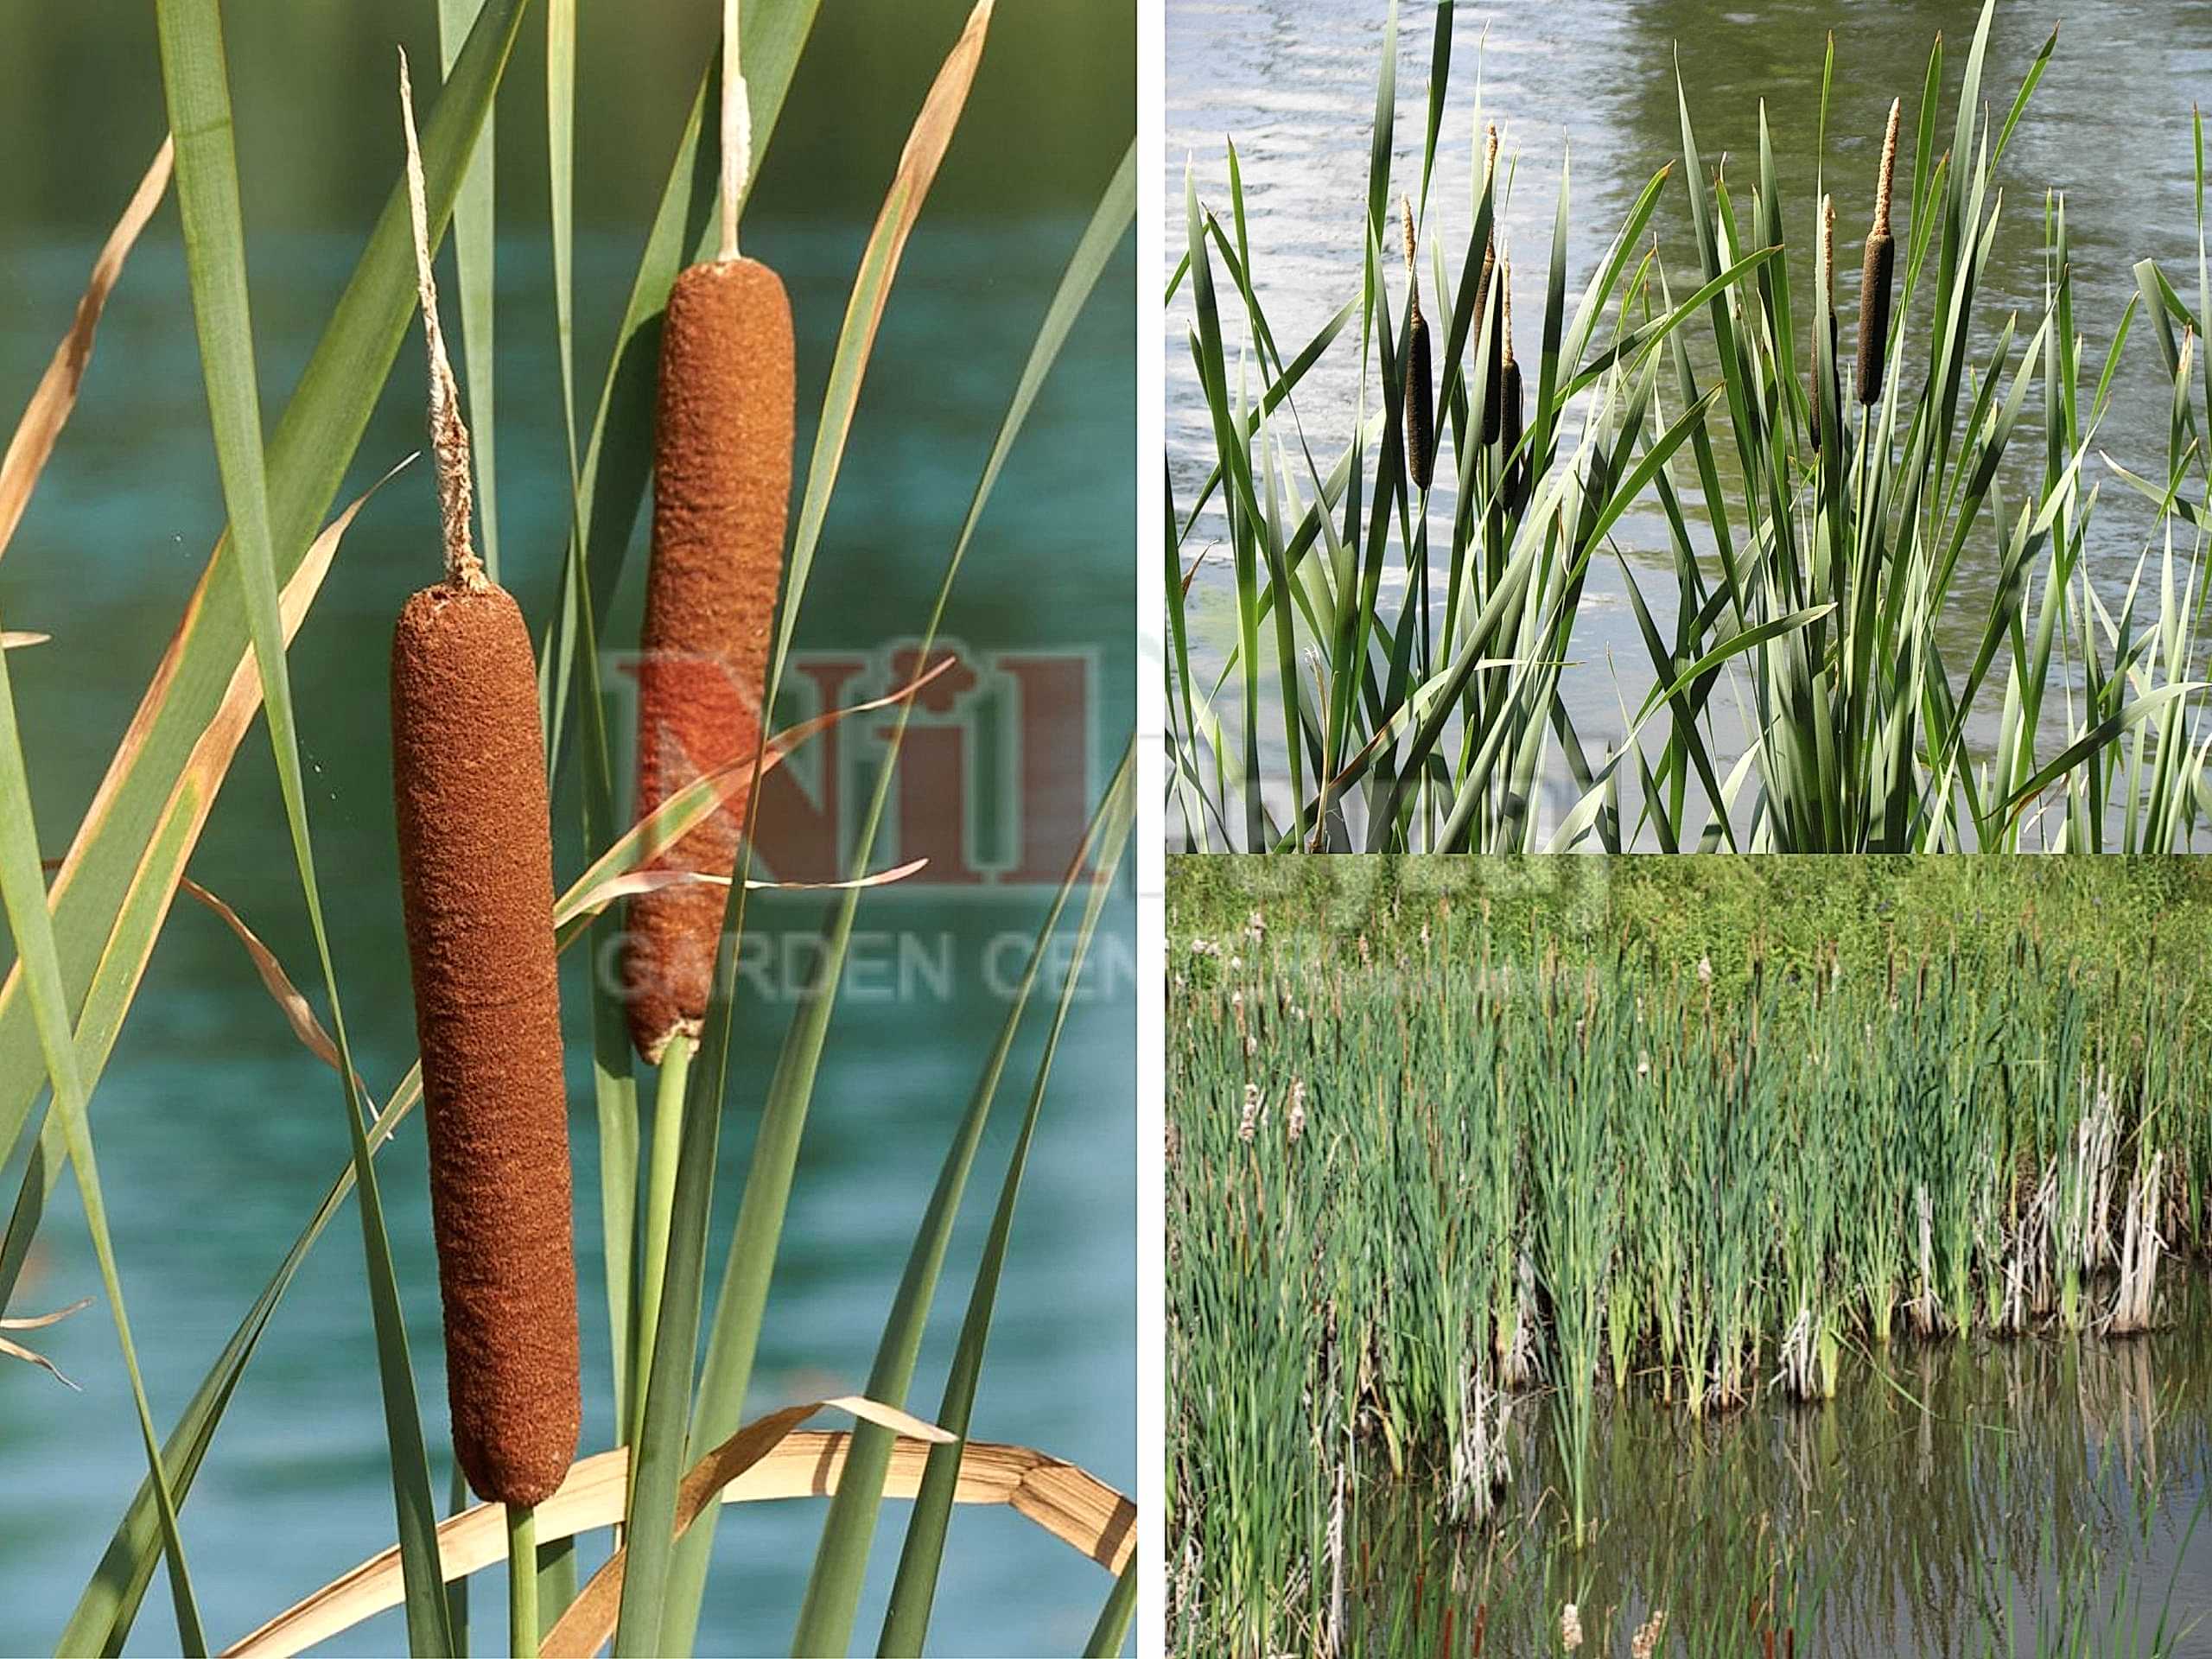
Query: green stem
[(660, 1202), (522, 1580)]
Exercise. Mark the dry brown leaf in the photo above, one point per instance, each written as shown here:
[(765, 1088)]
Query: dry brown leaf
[(1072, 1505), (16, 1351), (925, 147), (33, 1322), (39, 1321), (588, 1624), (633, 882), (298, 1013), (28, 451)]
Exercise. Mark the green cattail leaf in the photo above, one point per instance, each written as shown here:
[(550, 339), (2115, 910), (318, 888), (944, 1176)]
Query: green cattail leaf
[(906, 1625), (195, 80)]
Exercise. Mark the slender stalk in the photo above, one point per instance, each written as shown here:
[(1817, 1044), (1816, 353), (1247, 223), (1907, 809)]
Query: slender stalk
[(660, 1199), (523, 1632)]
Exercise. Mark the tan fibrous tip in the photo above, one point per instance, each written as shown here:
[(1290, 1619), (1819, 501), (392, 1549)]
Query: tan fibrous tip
[(1408, 205), (736, 132), (1889, 168), (449, 433), (1827, 247)]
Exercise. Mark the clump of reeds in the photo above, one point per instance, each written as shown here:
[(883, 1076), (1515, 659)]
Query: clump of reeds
[(1515, 486), (1878, 273), (1420, 391), (723, 442), (1519, 1195), (1838, 625), (476, 886)]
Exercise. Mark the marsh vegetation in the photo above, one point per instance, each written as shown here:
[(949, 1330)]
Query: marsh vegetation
[(1701, 548), (1524, 1255)]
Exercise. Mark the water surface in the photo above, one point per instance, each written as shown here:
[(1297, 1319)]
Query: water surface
[(1956, 1498)]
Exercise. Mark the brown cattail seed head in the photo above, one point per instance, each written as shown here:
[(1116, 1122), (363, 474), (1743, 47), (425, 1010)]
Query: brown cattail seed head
[(721, 491), (1420, 393), (1489, 335), (476, 886), (476, 891), (1876, 277), (1516, 466)]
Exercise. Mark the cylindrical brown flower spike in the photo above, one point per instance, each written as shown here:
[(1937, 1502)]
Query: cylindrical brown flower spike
[(722, 493), (1878, 273), (1494, 354), (1509, 429), (476, 889), (1421, 394)]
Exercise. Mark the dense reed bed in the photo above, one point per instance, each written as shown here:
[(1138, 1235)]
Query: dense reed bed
[(1446, 1200), (1788, 489)]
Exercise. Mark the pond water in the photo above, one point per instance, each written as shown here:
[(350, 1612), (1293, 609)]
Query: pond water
[(1292, 83), (1956, 1498), (218, 1134)]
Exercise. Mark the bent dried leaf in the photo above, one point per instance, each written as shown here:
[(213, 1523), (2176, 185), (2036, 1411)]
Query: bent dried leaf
[(33, 1322), (56, 395), (1065, 1500), (636, 881), (666, 825)]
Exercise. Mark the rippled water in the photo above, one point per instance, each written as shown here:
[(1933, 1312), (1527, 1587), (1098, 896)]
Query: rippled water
[(1292, 83), (1964, 1499)]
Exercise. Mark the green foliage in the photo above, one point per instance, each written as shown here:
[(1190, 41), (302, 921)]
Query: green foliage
[(1452, 1145), (1816, 681), (109, 907)]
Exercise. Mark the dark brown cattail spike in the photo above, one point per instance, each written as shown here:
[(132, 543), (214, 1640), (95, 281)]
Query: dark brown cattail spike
[(1880, 269), (1826, 304), (476, 887), (1421, 394), (1494, 346), (1516, 466), (721, 491)]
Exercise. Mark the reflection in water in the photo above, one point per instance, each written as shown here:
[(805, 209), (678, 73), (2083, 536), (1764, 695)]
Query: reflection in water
[(1955, 1498), (1593, 83)]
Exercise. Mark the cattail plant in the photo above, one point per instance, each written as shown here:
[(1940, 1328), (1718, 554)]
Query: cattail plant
[(1880, 269), (722, 440), (476, 885), (1516, 483), (1852, 666), (722, 489), (1421, 392)]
